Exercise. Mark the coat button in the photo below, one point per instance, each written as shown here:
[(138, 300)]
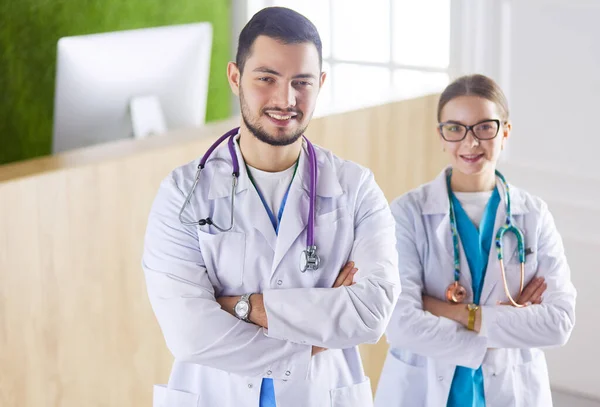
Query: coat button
[(441, 378), (250, 385), (288, 373), (279, 282), (269, 373)]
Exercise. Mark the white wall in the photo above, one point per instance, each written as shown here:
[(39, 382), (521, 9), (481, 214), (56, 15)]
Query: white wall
[(571, 200), (555, 83), (546, 55)]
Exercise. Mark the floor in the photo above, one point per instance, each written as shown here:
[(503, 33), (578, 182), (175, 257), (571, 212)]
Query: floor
[(566, 400)]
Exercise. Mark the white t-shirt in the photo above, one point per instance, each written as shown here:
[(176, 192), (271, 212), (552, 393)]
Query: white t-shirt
[(272, 185), (474, 204)]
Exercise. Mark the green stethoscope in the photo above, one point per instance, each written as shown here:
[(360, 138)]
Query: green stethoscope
[(455, 292)]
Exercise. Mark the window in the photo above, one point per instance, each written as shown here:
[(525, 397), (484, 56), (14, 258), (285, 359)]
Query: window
[(377, 50)]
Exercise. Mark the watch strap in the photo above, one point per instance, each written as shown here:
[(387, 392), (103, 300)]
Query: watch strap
[(472, 314), (245, 298)]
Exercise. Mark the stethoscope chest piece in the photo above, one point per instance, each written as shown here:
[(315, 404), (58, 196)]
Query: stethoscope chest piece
[(309, 259), (456, 293)]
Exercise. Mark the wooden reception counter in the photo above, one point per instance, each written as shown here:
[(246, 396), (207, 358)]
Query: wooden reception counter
[(76, 326)]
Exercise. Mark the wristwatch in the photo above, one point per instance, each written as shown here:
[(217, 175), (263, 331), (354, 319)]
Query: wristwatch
[(472, 313), (242, 308)]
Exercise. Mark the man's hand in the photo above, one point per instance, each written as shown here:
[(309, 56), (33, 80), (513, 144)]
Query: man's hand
[(227, 303), (346, 276), (258, 315), (317, 349)]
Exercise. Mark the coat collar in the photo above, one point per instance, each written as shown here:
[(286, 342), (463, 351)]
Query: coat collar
[(436, 196), (328, 184)]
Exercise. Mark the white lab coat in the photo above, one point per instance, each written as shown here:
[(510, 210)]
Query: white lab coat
[(425, 349), (220, 360)]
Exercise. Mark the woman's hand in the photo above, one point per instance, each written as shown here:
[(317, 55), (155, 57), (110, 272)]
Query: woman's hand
[(437, 307), (455, 312), (532, 293)]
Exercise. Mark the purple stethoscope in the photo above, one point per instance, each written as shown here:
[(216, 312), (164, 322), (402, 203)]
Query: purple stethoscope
[(309, 260)]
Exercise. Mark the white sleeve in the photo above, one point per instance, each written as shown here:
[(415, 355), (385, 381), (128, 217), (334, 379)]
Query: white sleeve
[(195, 327), (545, 325), (412, 328), (346, 316)]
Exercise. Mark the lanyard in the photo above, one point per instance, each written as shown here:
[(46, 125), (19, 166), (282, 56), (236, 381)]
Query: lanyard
[(507, 227), (455, 292), (274, 221)]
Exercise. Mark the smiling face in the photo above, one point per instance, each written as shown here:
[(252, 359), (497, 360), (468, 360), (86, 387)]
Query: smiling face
[(472, 156), (278, 89)]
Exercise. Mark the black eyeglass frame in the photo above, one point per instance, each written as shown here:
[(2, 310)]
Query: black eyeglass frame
[(470, 128)]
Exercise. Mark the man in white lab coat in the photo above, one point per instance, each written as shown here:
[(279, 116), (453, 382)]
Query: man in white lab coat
[(246, 326)]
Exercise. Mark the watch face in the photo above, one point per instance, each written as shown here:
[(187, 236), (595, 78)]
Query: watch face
[(241, 309)]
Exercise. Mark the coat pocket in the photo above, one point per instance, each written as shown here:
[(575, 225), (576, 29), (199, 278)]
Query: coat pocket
[(403, 380), (357, 395), (517, 378), (224, 255), (165, 397)]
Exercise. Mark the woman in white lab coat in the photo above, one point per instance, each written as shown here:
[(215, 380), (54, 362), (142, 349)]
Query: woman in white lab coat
[(456, 338)]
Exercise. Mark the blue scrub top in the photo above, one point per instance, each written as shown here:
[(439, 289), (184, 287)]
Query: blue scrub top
[(467, 386)]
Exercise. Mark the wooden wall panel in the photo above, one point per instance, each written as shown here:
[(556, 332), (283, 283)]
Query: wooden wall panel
[(76, 326)]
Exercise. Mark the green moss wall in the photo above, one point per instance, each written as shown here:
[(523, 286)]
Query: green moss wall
[(30, 29)]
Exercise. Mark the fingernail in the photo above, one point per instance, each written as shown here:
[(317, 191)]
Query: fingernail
[(354, 270), (528, 303)]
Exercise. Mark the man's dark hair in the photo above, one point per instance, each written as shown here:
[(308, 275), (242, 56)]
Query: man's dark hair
[(280, 23)]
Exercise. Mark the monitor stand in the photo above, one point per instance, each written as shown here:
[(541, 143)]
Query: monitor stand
[(147, 118)]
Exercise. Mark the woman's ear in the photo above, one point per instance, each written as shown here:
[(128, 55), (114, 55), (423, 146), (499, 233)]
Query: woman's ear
[(506, 129)]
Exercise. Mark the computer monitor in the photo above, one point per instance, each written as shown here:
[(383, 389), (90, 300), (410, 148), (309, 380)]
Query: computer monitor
[(131, 83)]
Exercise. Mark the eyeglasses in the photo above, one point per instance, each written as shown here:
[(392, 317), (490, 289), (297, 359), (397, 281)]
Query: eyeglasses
[(485, 130)]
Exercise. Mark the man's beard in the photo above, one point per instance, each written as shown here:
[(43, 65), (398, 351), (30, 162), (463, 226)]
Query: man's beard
[(261, 134)]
